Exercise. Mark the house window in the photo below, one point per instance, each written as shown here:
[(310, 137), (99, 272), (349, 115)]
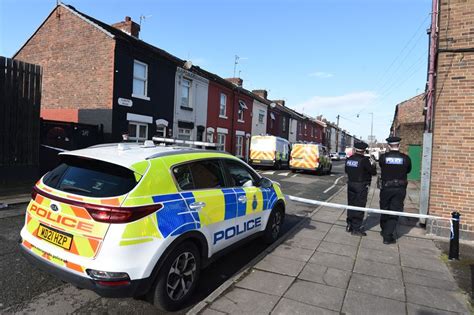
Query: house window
[(185, 93), (140, 79), (184, 134), (137, 131), (210, 137), (242, 107), (283, 120), (221, 141), (161, 131), (223, 106), (261, 116), (239, 146)]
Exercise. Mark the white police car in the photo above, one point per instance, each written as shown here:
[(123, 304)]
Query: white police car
[(132, 220)]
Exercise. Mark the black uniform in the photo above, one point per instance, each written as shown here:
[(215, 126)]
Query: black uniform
[(359, 172), (394, 166)]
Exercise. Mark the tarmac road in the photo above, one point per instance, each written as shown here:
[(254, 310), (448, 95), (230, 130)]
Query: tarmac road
[(25, 289)]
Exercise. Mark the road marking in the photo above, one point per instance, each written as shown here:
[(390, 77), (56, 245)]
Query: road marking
[(334, 185), (284, 174), (269, 173), (333, 175), (294, 175)]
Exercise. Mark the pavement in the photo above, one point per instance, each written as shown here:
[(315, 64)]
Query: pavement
[(322, 269)]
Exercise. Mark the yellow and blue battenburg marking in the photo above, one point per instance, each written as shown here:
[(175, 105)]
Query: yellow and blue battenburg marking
[(176, 217)]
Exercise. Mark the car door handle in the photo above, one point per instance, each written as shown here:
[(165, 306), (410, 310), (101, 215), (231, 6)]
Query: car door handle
[(197, 205), (242, 199)]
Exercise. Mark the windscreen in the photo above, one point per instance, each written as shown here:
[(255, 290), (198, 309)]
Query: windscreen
[(263, 144), (91, 178)]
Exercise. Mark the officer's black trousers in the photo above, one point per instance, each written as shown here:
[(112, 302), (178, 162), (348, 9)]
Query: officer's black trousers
[(356, 196), (391, 198)]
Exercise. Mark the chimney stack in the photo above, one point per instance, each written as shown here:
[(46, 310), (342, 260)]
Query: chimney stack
[(128, 26), (236, 81), (281, 102), (262, 93)]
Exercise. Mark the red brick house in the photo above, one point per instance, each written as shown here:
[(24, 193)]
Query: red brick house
[(278, 119), (229, 114), (310, 130), (102, 74)]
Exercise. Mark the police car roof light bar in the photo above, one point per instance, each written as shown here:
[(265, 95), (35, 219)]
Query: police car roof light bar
[(192, 143)]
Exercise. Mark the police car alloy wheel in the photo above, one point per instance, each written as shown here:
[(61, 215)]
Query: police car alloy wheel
[(177, 278), (272, 231)]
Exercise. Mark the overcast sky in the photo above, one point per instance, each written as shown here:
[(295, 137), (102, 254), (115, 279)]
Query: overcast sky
[(324, 57)]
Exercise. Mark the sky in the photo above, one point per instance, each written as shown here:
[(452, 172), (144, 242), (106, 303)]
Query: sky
[(352, 58)]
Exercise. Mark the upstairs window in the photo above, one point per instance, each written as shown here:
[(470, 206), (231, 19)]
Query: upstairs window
[(223, 105), (140, 79), (242, 107), (261, 116), (185, 93)]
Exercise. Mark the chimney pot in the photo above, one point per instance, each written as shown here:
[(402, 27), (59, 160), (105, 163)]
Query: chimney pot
[(236, 81), (128, 19), (128, 26), (262, 93)]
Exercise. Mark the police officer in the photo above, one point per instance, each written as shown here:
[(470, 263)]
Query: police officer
[(394, 166), (359, 170)]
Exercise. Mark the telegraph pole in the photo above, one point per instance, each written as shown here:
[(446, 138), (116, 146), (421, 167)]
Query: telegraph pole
[(337, 134)]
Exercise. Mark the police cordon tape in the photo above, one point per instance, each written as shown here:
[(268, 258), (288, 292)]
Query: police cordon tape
[(454, 220)]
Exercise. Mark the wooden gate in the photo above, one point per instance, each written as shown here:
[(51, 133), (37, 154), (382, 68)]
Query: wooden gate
[(20, 101)]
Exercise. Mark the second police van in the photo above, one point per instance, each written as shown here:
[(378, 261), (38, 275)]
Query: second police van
[(142, 220)]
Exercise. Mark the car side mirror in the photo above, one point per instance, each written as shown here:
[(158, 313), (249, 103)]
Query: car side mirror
[(265, 183)]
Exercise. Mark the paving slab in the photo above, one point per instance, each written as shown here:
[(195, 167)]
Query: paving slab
[(241, 301), (342, 237), (376, 269), (386, 288), (359, 303), (296, 253), (281, 265), (287, 306), (414, 309), (266, 282), (316, 294), (302, 242), (423, 262), (338, 249), (332, 260), (325, 275), (437, 298), (320, 226), (311, 233), (209, 311), (386, 257), (428, 278), (377, 244)]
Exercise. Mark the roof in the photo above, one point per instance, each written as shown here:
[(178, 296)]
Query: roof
[(127, 154), (410, 111)]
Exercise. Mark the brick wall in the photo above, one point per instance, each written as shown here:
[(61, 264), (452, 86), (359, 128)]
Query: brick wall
[(452, 175), (78, 66), (410, 134)]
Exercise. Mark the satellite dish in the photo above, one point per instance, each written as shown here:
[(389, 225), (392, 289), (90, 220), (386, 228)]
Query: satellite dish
[(273, 105), (188, 64)]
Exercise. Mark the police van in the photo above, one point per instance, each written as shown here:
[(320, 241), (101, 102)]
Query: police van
[(130, 220), (310, 157), (269, 151)]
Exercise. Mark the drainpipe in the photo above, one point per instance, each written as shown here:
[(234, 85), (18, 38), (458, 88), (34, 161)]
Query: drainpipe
[(430, 103), (430, 97)]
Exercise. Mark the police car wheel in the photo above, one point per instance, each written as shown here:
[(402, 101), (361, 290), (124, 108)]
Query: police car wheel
[(177, 278), (275, 221)]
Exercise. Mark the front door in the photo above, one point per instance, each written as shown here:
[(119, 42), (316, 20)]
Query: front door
[(414, 152)]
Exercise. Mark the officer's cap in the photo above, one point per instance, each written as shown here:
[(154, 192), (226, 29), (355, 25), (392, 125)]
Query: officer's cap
[(393, 140), (361, 146)]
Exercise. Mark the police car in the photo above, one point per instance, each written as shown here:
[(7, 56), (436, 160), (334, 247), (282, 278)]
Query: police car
[(142, 220)]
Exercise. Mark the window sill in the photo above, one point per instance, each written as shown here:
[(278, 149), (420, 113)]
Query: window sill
[(241, 121), (142, 97), (187, 108), (223, 117)]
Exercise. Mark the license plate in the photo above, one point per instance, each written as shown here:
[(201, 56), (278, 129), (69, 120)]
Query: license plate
[(55, 237), (256, 161)]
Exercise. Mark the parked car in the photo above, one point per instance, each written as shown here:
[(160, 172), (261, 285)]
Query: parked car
[(334, 156), (142, 220), (269, 151), (310, 157), (342, 155)]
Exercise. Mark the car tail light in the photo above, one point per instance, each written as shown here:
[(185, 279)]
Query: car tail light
[(109, 214)]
